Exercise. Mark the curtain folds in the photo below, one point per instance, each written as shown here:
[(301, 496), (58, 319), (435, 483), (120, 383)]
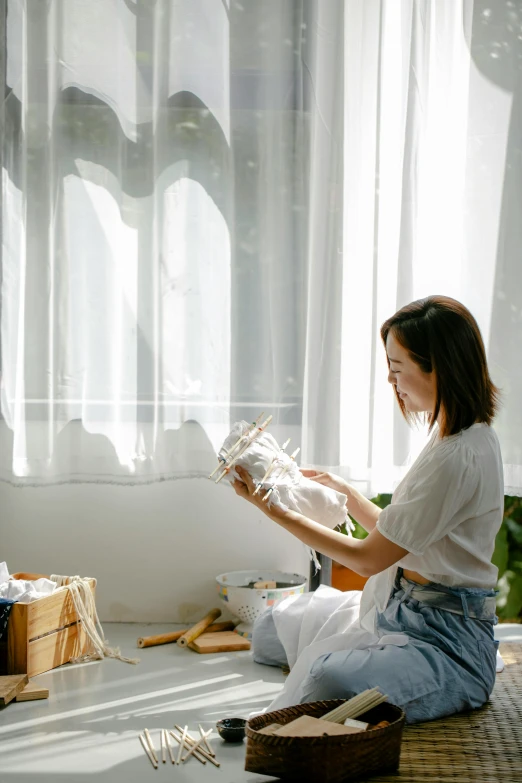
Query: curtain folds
[(209, 207)]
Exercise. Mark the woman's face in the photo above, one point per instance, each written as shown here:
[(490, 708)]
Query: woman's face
[(415, 387)]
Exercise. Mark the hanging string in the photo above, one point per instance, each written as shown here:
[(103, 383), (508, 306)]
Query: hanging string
[(85, 606)]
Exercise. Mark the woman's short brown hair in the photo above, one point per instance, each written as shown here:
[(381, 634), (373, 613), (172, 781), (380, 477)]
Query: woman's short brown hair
[(442, 336)]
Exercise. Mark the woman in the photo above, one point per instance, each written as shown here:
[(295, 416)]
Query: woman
[(422, 631)]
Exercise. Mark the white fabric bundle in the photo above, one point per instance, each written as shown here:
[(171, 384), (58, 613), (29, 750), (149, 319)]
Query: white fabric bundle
[(292, 490), (25, 590)]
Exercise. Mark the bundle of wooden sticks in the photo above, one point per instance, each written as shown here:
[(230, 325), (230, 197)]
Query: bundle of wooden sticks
[(200, 748), (341, 720)]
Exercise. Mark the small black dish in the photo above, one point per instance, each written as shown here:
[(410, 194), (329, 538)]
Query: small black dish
[(231, 729)]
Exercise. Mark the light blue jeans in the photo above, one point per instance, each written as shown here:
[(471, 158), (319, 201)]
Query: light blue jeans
[(448, 665)]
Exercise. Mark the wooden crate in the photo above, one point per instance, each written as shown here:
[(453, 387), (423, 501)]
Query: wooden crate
[(43, 634)]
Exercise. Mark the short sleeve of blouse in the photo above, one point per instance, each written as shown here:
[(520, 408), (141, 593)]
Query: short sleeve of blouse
[(437, 495)]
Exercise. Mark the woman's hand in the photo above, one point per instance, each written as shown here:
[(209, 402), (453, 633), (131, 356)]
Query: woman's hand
[(328, 480), (359, 508), (245, 489)]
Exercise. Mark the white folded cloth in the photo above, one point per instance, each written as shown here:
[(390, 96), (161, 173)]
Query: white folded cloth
[(25, 590)]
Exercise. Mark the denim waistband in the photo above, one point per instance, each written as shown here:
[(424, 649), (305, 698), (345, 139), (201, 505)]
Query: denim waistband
[(478, 603)]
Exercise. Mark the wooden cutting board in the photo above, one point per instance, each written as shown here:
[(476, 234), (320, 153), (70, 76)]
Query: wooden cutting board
[(31, 692), (224, 641), (306, 726), (10, 687)]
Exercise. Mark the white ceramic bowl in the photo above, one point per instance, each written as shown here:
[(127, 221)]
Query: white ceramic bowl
[(247, 603)]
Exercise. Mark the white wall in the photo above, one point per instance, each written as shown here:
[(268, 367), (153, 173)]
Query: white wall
[(155, 549)]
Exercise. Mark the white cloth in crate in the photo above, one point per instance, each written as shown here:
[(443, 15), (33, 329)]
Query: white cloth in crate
[(25, 590), (293, 490)]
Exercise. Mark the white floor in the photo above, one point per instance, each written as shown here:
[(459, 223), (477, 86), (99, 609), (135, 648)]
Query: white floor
[(90, 723)]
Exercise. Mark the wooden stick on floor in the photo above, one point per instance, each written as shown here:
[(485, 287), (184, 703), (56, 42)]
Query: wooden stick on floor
[(169, 746), (150, 744), (181, 745), (200, 750), (147, 751), (207, 743), (163, 747), (193, 748), (198, 628), (200, 755), (168, 638)]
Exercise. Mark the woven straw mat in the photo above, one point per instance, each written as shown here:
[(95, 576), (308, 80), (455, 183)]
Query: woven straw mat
[(482, 746)]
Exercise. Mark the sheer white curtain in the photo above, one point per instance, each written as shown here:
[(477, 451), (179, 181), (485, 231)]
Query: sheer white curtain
[(209, 207), (152, 205), (432, 199)]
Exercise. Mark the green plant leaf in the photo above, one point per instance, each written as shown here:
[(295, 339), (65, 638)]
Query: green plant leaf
[(382, 500), (501, 553), (359, 531), (515, 529), (509, 599), (503, 592)]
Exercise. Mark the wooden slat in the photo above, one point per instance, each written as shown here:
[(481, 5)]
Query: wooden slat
[(31, 692), (10, 687), (17, 640), (53, 650), (307, 726), (51, 613), (226, 641)]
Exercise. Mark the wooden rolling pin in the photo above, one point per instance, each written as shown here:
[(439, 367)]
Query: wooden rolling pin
[(167, 638), (198, 629)]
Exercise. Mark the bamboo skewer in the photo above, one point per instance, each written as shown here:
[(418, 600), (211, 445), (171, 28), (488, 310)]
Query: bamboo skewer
[(148, 752), (197, 629), (240, 453), (360, 704), (207, 743), (200, 755), (163, 747), (248, 432), (271, 466), (181, 745), (223, 459), (356, 704), (208, 757), (150, 744), (194, 748), (355, 710), (169, 746), (168, 638), (285, 469), (186, 742), (200, 750)]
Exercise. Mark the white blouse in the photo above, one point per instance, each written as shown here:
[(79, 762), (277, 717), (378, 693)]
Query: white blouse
[(448, 509)]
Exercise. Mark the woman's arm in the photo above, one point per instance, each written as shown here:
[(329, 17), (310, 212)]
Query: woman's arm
[(366, 557), (360, 508)]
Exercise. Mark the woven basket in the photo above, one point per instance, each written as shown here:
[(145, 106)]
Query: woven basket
[(325, 759)]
